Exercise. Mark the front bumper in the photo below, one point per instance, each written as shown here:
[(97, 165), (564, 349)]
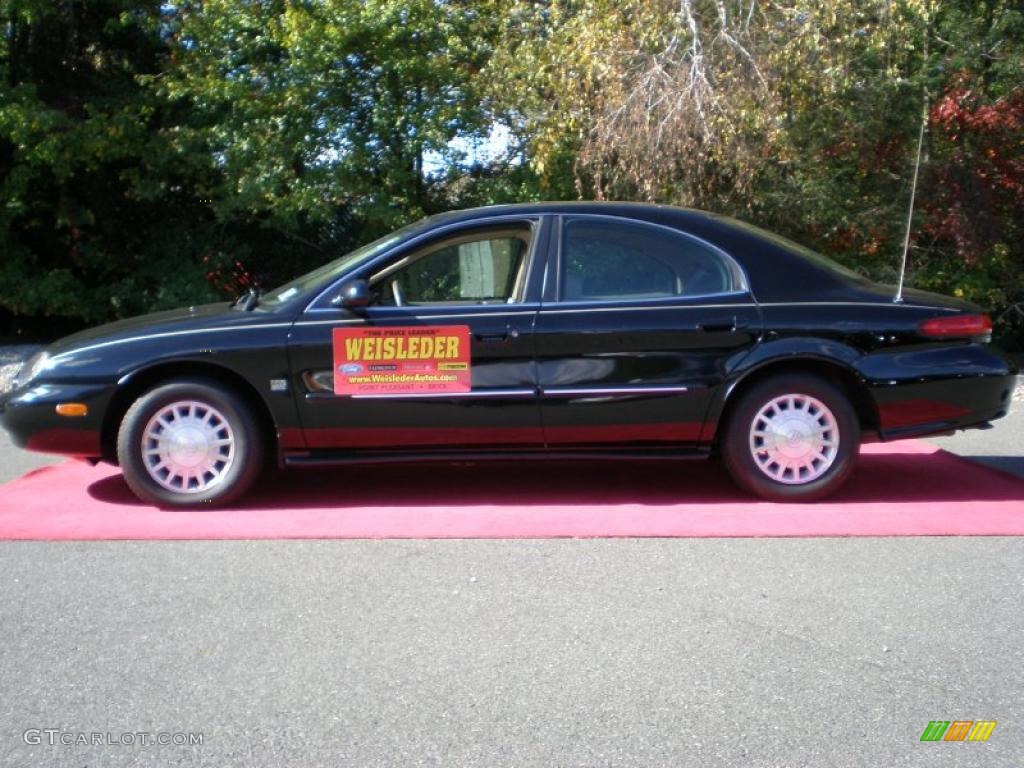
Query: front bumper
[(29, 415)]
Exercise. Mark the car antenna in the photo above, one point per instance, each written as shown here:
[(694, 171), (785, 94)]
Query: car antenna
[(913, 184), (898, 298)]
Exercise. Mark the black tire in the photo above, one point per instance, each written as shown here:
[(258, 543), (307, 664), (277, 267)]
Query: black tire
[(739, 456), (237, 476)]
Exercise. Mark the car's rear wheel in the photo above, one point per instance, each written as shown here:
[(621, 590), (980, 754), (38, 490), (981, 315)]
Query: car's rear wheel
[(791, 438), (189, 443)]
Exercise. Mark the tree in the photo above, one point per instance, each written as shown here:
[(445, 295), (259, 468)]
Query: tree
[(157, 153), (92, 202), (310, 108), (802, 117)]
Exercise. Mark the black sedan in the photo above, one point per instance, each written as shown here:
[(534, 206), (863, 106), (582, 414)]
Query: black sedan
[(556, 330)]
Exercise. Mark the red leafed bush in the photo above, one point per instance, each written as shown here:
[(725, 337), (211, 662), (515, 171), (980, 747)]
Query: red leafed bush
[(978, 170), (228, 279)]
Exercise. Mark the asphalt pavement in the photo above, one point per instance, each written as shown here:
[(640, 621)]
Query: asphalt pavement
[(671, 652)]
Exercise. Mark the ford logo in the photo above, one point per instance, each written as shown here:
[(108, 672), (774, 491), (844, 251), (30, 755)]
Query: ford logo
[(350, 368)]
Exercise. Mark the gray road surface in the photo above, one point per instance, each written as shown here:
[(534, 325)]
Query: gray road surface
[(531, 653)]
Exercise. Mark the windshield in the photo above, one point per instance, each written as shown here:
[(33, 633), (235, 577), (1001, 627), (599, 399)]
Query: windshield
[(300, 285)]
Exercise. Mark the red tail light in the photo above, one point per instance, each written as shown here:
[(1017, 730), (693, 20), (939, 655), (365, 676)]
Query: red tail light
[(956, 326)]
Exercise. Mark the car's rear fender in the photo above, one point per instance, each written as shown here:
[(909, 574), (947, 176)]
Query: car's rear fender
[(832, 360)]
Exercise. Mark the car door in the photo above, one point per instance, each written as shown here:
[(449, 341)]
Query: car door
[(638, 326), (441, 359)]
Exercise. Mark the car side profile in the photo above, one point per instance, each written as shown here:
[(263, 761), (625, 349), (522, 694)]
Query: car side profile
[(560, 330)]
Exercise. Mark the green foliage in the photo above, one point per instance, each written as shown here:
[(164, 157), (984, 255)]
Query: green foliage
[(102, 216), (312, 107), (154, 153), (158, 153)]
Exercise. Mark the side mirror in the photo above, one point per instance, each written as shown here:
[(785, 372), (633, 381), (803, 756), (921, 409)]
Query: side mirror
[(354, 294)]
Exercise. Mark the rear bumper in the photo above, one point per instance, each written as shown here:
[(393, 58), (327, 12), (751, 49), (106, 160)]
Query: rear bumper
[(29, 415), (947, 388)]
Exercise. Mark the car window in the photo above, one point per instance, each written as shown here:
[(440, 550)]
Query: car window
[(331, 270), (486, 268), (615, 260)]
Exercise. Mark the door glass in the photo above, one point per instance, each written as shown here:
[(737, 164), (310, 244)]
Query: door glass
[(612, 260), (485, 270)]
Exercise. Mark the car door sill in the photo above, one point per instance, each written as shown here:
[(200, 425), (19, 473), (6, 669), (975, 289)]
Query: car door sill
[(327, 457)]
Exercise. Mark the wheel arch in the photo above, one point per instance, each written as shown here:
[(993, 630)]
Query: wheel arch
[(836, 372), (134, 384)]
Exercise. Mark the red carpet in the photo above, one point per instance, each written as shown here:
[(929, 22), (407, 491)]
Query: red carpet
[(900, 489)]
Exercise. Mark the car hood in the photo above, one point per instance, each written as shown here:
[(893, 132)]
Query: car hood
[(185, 318)]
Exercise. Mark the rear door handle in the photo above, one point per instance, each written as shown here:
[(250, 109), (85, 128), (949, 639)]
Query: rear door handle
[(723, 325)]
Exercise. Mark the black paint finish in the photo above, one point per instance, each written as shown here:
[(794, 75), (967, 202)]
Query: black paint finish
[(645, 375)]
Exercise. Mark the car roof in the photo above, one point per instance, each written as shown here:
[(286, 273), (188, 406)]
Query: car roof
[(643, 211)]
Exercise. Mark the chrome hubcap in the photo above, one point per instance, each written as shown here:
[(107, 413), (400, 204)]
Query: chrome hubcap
[(794, 439), (188, 447)]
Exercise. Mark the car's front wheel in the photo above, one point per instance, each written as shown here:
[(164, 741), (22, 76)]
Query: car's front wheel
[(791, 438), (189, 442)]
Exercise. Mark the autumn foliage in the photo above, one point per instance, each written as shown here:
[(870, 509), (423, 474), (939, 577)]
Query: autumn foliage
[(160, 153)]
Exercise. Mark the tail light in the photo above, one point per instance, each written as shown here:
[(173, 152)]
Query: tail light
[(956, 326)]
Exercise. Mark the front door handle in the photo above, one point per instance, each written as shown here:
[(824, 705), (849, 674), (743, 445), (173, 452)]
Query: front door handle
[(509, 334)]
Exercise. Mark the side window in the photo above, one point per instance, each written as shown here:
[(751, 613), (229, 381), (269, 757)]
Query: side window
[(611, 260), (485, 268)]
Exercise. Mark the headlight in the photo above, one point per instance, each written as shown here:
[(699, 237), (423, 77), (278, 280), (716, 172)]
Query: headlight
[(32, 368)]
